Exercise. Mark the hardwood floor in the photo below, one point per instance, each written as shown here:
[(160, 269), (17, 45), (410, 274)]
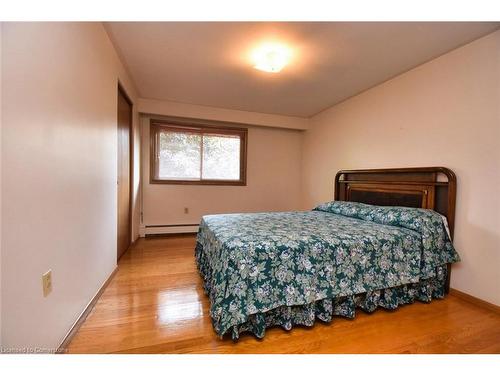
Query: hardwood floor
[(156, 304)]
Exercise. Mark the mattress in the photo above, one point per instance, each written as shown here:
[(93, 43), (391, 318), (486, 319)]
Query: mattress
[(289, 268)]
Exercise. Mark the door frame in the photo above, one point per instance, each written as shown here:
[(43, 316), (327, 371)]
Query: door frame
[(121, 90)]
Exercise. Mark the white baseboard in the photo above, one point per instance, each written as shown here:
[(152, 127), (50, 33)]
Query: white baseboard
[(167, 229)]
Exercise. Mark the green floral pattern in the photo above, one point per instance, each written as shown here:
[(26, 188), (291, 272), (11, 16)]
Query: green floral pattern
[(288, 268)]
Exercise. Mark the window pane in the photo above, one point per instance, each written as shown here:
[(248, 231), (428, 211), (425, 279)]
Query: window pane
[(179, 156), (221, 157)]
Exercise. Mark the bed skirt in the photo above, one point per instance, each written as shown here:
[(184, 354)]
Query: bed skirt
[(325, 309)]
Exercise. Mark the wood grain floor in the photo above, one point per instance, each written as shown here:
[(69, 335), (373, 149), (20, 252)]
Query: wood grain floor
[(156, 304)]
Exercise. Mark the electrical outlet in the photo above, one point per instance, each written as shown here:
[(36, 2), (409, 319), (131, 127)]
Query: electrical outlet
[(186, 210), (47, 283)]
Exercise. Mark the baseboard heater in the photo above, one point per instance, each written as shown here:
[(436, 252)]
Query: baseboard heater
[(150, 230)]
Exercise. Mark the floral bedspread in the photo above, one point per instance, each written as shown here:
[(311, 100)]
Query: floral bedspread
[(255, 263)]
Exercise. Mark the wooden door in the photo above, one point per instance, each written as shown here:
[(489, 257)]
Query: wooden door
[(124, 172)]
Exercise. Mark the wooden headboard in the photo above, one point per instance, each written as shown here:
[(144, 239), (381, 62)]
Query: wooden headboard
[(428, 187)]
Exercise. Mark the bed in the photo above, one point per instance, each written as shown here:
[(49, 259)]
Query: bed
[(384, 241)]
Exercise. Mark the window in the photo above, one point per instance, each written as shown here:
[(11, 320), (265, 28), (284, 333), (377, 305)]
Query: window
[(197, 154)]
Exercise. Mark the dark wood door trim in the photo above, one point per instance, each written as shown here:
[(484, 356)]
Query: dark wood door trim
[(123, 92)]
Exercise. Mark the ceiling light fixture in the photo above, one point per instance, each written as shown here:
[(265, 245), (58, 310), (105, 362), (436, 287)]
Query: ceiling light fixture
[(271, 57)]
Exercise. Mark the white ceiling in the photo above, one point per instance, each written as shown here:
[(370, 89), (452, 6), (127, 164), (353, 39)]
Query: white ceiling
[(207, 63)]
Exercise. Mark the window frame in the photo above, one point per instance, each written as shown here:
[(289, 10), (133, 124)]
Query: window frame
[(156, 126)]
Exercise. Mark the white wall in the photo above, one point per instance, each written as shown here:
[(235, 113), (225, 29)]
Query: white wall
[(273, 182), (59, 163), (166, 108), (445, 112)]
